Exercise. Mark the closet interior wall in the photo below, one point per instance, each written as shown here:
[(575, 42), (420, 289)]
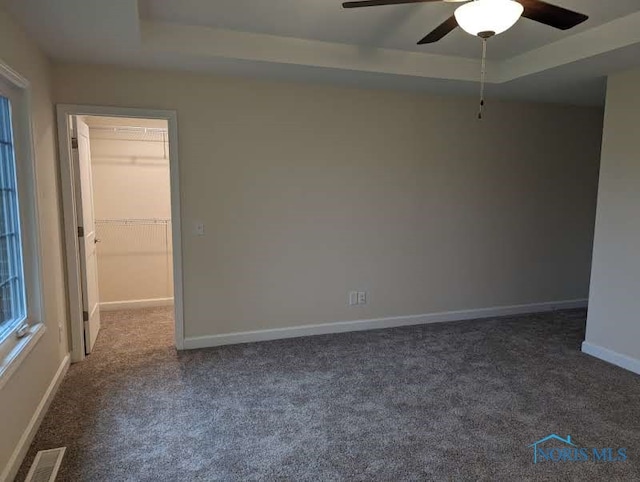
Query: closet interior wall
[(130, 164)]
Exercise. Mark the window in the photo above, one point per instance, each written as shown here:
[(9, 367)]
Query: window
[(21, 305), (12, 288)]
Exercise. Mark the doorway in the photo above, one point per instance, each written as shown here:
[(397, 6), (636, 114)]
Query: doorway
[(122, 217)]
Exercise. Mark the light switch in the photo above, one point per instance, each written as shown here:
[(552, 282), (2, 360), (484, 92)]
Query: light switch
[(200, 229)]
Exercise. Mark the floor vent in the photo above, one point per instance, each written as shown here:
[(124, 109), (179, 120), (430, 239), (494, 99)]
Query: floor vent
[(45, 466)]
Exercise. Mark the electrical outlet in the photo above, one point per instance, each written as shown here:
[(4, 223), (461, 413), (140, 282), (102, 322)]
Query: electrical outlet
[(362, 297), (353, 298), (60, 333)]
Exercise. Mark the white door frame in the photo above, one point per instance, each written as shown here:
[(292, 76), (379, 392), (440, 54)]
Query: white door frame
[(71, 223)]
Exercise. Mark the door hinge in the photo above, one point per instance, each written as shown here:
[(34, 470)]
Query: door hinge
[(81, 231), (74, 143), (85, 316)]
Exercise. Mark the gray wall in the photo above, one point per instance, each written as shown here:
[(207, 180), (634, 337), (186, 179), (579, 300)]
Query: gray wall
[(614, 304), (309, 191)]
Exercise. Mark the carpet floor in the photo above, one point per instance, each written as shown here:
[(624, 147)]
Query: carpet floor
[(451, 401)]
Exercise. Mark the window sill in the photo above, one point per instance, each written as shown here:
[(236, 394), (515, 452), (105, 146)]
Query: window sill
[(10, 362)]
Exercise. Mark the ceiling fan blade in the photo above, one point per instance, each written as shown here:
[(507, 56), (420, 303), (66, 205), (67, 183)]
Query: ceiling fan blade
[(551, 15), (440, 31), (376, 3)]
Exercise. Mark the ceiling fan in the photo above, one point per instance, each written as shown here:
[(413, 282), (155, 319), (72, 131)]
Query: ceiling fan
[(486, 18)]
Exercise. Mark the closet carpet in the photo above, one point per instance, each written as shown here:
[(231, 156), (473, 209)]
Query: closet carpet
[(451, 401)]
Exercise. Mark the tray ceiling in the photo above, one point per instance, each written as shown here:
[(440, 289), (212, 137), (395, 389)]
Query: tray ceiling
[(318, 41)]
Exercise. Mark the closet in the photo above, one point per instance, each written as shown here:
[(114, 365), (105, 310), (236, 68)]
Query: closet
[(130, 170)]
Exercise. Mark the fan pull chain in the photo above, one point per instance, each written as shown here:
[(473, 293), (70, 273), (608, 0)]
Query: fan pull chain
[(482, 76)]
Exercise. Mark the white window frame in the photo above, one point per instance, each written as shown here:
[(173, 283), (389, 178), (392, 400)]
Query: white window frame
[(11, 228), (14, 348)]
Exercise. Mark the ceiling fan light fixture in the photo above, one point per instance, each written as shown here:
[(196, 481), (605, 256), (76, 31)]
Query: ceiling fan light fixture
[(485, 18)]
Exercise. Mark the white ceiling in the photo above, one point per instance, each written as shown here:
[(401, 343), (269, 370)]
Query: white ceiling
[(392, 27), (317, 40)]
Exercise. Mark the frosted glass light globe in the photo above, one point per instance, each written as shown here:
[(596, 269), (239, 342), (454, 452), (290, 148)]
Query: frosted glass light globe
[(488, 16)]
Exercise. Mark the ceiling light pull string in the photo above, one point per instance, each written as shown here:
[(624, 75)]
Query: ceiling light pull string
[(483, 74)]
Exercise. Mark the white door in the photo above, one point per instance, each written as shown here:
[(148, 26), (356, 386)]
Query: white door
[(86, 232)]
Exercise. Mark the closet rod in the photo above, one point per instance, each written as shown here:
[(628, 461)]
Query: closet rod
[(165, 141), (133, 221), (150, 130)]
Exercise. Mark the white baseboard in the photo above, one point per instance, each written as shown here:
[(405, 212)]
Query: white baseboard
[(24, 443), (135, 304), (374, 324), (610, 356)]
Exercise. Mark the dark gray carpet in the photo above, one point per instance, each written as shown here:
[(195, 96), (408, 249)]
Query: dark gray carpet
[(454, 401)]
